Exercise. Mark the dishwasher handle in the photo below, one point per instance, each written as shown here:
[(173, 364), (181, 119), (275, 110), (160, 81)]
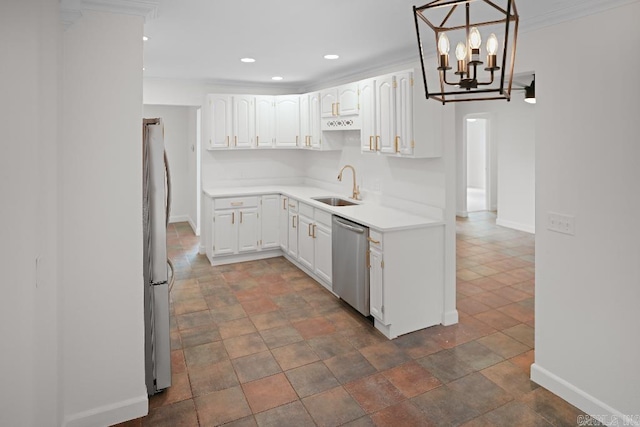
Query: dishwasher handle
[(350, 227)]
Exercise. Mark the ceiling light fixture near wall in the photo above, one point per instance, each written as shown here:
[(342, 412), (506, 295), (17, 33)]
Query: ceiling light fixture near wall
[(277, 78), (145, 38), (452, 19), (530, 92), (247, 60), (331, 56)]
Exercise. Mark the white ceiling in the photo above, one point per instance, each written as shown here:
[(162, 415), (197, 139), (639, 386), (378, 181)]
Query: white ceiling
[(205, 39)]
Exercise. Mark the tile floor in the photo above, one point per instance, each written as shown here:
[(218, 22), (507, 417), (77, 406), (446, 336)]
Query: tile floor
[(261, 344)]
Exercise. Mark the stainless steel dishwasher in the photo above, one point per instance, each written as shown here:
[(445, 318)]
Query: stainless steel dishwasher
[(350, 269)]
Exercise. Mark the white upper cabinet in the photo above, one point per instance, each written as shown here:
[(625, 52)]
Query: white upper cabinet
[(287, 120), (243, 121), (315, 135), (340, 101), (404, 113), (265, 121), (385, 131), (220, 112), (310, 134), (368, 114)]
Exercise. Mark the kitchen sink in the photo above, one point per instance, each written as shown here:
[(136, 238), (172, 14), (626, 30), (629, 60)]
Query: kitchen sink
[(334, 201)]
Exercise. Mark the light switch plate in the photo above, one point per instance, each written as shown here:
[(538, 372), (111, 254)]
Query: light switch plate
[(561, 223)]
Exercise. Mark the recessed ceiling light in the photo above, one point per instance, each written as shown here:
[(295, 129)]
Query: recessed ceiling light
[(142, 68), (145, 38), (247, 60), (276, 78), (331, 56)]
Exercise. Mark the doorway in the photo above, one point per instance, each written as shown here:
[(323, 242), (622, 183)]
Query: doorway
[(476, 131)]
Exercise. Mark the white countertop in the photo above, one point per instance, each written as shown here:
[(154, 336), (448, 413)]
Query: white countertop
[(366, 213)]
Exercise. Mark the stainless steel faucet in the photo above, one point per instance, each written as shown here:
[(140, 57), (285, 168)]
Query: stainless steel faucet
[(356, 189)]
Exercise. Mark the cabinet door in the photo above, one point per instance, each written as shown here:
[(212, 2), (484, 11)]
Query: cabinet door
[(287, 121), (314, 120), (305, 242), (328, 101), (293, 234), (385, 133), (368, 115), (270, 206), (376, 289), (284, 223), (224, 232), (322, 265), (220, 110), (243, 121), (348, 100), (305, 124), (404, 113), (265, 121), (247, 229)]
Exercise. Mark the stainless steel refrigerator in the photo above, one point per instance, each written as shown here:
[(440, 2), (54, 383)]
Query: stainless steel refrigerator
[(156, 207)]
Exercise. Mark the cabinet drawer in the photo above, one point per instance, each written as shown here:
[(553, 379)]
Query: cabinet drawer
[(375, 239), (235, 202), (293, 205), (305, 210), (323, 217)]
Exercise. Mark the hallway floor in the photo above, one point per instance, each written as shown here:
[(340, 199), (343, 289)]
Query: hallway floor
[(261, 344)]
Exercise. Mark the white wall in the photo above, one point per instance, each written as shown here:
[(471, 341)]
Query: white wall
[(101, 220), (512, 143), (179, 139), (587, 153), (28, 119)]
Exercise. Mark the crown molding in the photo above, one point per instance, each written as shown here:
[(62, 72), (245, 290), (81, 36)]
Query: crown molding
[(576, 10), (72, 10)]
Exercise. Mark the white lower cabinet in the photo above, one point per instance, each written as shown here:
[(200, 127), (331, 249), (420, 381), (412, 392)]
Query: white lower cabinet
[(322, 255), (306, 243), (283, 221), (269, 225), (292, 249), (314, 241), (235, 225), (376, 282)]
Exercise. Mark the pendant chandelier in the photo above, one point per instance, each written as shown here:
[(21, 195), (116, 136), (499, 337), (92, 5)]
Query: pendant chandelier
[(464, 22)]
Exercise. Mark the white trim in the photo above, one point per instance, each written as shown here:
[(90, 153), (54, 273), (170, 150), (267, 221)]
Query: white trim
[(179, 218), (516, 225), (249, 256), (110, 414), (450, 317), (193, 226), (462, 214), (71, 10), (577, 397)]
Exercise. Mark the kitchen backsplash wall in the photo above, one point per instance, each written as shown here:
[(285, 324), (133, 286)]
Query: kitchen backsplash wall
[(241, 168), (416, 185)]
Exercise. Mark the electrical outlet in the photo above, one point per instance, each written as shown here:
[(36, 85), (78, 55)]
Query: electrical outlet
[(561, 223)]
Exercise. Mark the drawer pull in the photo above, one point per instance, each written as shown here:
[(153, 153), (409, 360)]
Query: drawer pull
[(240, 217), (309, 231), (237, 203), (233, 217), (313, 232), (371, 143), (293, 221), (368, 259), (375, 242), (377, 142), (291, 205), (397, 139), (284, 204)]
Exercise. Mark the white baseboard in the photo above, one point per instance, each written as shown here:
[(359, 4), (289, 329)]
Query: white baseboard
[(110, 414), (193, 227), (179, 218), (516, 225), (579, 398), (462, 214), (450, 317)]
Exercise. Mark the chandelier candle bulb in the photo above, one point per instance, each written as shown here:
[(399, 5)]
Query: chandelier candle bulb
[(492, 50), (461, 54), (443, 48)]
